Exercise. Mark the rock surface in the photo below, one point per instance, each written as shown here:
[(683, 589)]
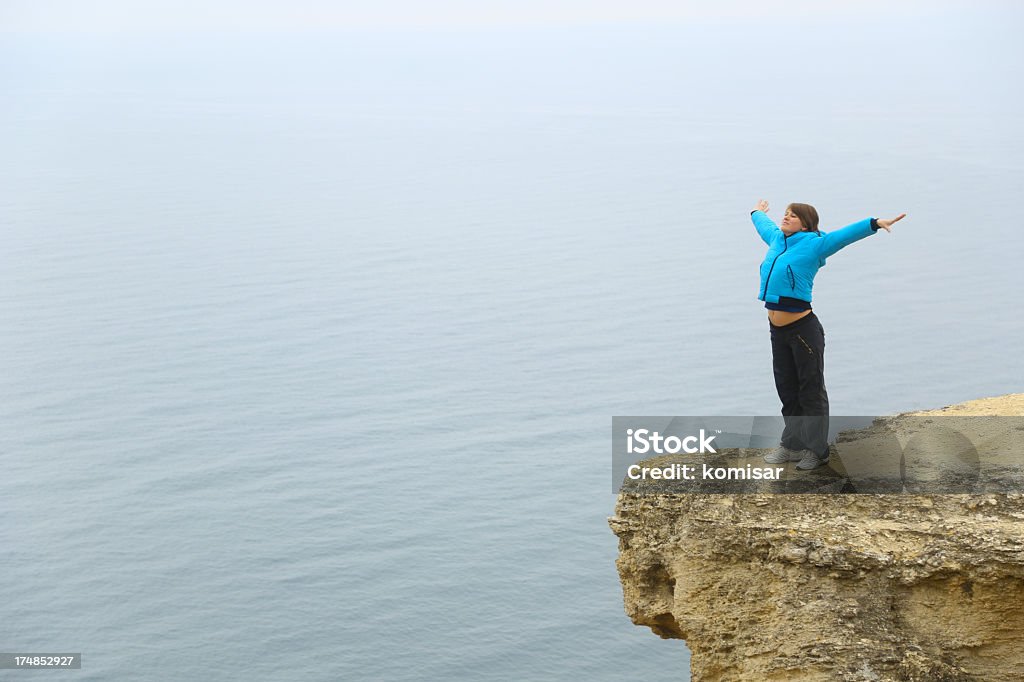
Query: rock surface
[(832, 587)]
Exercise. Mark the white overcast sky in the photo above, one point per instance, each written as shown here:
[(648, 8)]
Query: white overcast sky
[(105, 16)]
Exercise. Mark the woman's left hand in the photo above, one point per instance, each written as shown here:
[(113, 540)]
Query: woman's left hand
[(886, 224)]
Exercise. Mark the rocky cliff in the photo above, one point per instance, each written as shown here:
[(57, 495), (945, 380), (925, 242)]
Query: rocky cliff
[(832, 587)]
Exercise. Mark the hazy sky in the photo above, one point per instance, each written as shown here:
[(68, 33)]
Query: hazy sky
[(85, 16)]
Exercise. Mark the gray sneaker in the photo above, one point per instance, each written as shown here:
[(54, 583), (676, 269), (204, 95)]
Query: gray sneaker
[(811, 460), (783, 454)]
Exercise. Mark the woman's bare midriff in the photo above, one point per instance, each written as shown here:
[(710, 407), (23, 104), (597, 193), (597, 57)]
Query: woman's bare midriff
[(780, 318)]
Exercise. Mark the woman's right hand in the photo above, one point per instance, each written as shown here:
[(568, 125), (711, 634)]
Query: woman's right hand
[(762, 205)]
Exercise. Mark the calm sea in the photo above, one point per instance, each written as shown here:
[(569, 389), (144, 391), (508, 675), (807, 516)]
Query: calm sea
[(310, 347)]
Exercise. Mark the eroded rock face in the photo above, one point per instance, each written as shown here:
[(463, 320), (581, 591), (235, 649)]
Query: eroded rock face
[(832, 587)]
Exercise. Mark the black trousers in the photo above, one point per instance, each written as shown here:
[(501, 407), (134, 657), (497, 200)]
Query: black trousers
[(798, 358)]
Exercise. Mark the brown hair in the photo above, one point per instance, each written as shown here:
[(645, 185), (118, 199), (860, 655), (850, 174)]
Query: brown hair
[(807, 215)]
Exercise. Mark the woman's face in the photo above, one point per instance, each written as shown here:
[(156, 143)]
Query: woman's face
[(791, 224)]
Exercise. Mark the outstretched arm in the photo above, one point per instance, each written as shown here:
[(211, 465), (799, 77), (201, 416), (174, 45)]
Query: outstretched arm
[(833, 241), (766, 227)]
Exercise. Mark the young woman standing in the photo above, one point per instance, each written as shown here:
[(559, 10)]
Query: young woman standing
[(795, 253)]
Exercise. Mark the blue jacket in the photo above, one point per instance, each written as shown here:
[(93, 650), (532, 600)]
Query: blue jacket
[(792, 262)]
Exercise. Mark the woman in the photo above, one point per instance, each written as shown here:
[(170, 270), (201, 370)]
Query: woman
[(795, 253)]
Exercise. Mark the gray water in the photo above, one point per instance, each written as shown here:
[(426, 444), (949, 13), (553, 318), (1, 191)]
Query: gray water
[(311, 345)]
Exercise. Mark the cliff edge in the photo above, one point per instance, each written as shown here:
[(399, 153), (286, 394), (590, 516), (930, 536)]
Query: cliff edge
[(832, 587)]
